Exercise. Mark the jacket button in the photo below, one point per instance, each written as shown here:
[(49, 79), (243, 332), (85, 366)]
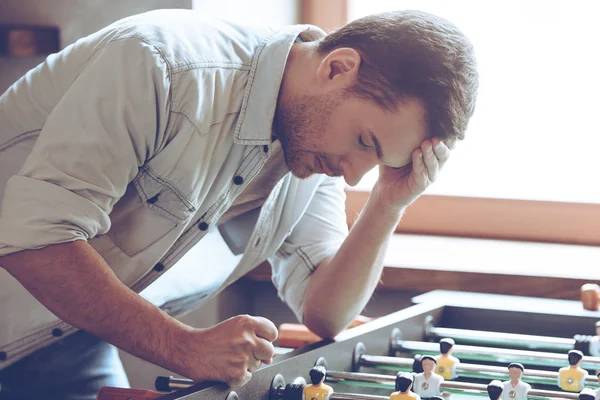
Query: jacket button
[(238, 180), (56, 332), (2, 355), (159, 267), (266, 148), (203, 226)]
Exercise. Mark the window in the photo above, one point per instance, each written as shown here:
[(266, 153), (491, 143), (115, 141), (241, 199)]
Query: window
[(535, 133)]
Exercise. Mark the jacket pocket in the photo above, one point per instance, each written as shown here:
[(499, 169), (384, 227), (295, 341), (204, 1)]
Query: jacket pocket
[(150, 209)]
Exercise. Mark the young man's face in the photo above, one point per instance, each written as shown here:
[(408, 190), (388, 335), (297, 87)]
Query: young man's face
[(338, 134)]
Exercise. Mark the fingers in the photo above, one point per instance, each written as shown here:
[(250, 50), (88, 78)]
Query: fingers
[(431, 162), (265, 329), (263, 350), (435, 154)]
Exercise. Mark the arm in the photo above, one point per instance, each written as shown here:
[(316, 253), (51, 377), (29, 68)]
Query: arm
[(351, 275), (74, 282), (344, 277)]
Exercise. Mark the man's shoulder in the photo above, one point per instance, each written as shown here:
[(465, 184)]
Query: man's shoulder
[(188, 38)]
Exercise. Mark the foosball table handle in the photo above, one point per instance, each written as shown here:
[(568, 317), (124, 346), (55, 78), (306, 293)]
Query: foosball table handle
[(590, 295), (112, 393), (296, 335)]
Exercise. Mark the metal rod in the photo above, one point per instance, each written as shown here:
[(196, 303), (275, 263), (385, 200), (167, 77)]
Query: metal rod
[(471, 370), (353, 396), (495, 354), (531, 342), (388, 380)]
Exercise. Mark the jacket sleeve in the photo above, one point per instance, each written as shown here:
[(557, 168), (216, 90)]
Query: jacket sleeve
[(109, 121), (319, 234)]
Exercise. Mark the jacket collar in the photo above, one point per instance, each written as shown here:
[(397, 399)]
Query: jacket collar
[(255, 122)]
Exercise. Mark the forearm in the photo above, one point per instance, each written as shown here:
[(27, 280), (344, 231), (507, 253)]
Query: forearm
[(74, 282), (341, 287)]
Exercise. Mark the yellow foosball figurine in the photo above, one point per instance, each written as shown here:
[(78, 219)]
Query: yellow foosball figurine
[(317, 390), (446, 362), (404, 382), (572, 378), (495, 389)]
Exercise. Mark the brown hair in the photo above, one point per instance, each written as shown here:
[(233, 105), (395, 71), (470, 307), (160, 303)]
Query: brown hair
[(413, 54)]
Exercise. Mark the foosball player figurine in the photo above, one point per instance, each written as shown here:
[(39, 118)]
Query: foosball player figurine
[(495, 389), (595, 342), (404, 382), (427, 383), (587, 394), (446, 362), (317, 390), (572, 378), (598, 390), (515, 388)]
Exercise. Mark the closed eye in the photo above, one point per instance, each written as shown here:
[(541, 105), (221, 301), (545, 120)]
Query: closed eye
[(362, 144)]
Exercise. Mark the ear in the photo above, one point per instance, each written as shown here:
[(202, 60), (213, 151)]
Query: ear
[(339, 68)]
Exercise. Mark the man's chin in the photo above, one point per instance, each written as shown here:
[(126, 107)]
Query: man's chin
[(301, 171)]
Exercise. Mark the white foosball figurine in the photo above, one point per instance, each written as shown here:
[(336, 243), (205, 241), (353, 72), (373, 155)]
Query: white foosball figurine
[(427, 383), (595, 342), (515, 388)]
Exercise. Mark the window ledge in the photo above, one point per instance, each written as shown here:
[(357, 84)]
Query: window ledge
[(423, 263)]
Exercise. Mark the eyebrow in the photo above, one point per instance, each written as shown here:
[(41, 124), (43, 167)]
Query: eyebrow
[(377, 146)]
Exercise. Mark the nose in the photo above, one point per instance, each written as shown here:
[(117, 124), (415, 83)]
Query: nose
[(356, 168)]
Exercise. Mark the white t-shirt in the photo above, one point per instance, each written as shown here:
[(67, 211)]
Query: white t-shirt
[(519, 392), (427, 387)]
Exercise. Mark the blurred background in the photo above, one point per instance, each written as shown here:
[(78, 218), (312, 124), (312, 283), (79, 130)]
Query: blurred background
[(516, 210)]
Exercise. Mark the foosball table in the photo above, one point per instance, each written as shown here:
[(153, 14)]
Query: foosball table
[(488, 333)]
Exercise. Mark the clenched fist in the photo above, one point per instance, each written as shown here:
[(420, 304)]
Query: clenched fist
[(230, 351)]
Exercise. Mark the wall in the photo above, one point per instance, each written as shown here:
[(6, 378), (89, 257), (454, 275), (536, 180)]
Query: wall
[(74, 18)]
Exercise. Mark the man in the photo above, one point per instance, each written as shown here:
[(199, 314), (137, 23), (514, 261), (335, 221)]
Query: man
[(404, 382), (515, 388), (427, 383), (122, 151), (317, 390), (572, 378), (446, 363)]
